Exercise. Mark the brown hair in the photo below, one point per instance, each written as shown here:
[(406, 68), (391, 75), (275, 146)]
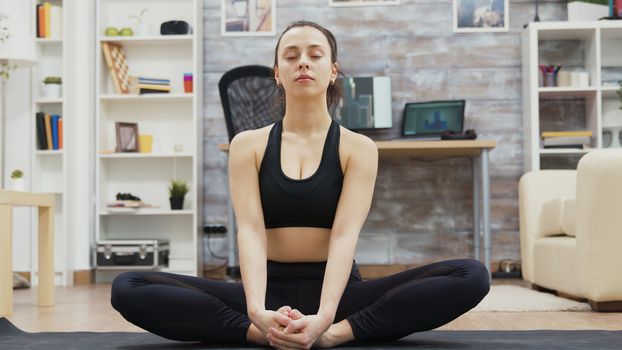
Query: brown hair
[(333, 93)]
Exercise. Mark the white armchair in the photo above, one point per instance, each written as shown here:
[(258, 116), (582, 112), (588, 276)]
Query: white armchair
[(571, 229)]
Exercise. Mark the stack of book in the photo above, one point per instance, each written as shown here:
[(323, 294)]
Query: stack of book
[(49, 131), (567, 139), (145, 85), (49, 21)]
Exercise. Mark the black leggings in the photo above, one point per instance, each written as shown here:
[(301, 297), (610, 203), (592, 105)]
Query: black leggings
[(197, 309)]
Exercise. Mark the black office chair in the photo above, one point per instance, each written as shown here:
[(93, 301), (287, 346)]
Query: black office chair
[(250, 98)]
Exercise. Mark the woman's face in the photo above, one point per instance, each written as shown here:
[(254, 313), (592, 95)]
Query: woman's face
[(304, 62)]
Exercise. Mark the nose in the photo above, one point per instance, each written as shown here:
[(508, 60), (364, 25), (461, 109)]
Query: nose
[(303, 63)]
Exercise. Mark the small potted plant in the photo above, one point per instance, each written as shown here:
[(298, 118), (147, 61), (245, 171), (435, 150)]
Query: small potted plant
[(52, 86), (177, 191), (18, 182)]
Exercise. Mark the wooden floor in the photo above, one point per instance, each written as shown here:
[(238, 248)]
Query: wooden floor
[(87, 308)]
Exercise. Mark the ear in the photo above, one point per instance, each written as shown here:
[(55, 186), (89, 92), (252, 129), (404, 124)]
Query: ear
[(334, 71), (276, 72)]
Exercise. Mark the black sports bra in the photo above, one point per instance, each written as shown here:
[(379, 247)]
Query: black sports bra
[(309, 202)]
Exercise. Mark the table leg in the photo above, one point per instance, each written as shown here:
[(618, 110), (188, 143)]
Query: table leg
[(46, 256), (231, 230), (486, 208), (476, 212), (6, 260)]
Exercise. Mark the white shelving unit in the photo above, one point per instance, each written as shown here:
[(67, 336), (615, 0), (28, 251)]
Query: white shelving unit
[(599, 45), (49, 167), (173, 119)]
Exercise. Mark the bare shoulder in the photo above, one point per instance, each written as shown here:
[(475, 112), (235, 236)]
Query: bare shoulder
[(358, 146), (250, 140), (250, 145)]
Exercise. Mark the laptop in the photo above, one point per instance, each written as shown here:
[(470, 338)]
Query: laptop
[(428, 120)]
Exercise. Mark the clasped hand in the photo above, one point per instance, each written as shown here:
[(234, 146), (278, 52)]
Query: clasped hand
[(288, 328)]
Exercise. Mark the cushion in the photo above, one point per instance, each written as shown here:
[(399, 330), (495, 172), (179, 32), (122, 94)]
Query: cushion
[(568, 217), (551, 218)]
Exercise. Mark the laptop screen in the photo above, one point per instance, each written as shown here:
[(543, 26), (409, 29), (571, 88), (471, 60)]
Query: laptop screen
[(429, 119)]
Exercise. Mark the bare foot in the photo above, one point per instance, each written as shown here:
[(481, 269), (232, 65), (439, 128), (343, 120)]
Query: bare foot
[(326, 340), (337, 333), (254, 335)]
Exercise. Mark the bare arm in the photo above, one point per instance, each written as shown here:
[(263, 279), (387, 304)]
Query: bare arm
[(244, 189), (352, 210)]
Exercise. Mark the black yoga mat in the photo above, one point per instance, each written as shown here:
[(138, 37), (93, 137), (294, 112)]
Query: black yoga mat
[(12, 337)]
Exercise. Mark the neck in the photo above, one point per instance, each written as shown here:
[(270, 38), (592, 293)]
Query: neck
[(306, 116)]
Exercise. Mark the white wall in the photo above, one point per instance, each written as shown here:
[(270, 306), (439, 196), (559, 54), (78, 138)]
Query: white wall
[(80, 140), (18, 153), (79, 136)]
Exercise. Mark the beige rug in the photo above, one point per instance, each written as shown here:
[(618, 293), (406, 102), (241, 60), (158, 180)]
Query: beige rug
[(507, 298)]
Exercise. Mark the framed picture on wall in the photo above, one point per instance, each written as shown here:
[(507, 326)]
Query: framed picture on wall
[(248, 18), (344, 3), (481, 16), (127, 137)]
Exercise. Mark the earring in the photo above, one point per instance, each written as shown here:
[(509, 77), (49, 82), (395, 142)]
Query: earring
[(332, 82), (278, 83)]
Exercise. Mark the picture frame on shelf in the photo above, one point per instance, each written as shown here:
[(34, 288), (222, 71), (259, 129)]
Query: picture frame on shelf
[(471, 16), (352, 3), (127, 137), (239, 18)]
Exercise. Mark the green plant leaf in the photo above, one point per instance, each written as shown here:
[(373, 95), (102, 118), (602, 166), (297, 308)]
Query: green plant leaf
[(17, 174)]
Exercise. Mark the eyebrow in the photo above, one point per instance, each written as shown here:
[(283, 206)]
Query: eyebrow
[(314, 46)]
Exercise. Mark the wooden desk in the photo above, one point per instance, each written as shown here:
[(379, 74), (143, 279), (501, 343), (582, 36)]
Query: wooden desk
[(45, 203), (477, 150)]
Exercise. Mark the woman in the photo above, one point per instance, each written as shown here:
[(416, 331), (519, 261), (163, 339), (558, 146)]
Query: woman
[(301, 190)]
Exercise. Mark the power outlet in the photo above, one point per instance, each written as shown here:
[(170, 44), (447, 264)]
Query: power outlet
[(214, 229)]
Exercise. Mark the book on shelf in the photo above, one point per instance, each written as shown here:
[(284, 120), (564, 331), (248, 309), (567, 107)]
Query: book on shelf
[(567, 140), (567, 146), (60, 133), (41, 137), (143, 85), (143, 91), (55, 132), (49, 131), (154, 87), (612, 83), (587, 133), (49, 20), (157, 81)]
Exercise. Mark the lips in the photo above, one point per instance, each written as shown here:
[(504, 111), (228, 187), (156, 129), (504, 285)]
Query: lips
[(304, 77)]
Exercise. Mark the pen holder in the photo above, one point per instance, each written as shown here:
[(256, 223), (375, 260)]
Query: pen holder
[(549, 75), (550, 79)]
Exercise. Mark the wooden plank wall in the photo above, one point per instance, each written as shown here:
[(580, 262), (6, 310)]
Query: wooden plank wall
[(421, 210)]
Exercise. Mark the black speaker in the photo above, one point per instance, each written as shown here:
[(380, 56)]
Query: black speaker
[(175, 28)]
